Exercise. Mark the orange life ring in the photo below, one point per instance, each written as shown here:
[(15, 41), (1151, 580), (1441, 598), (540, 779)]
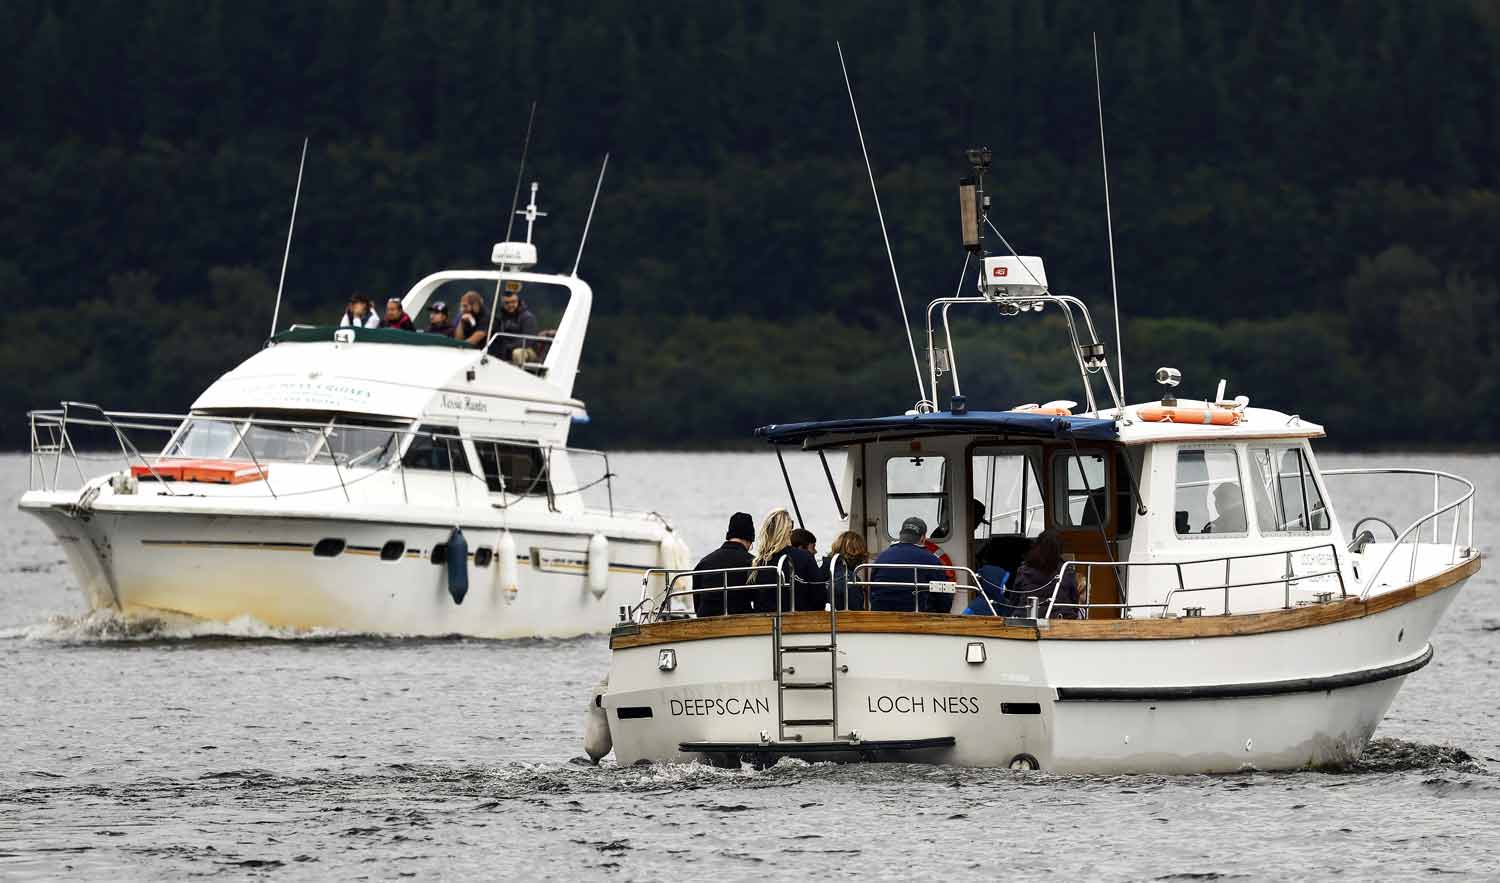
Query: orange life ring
[(1200, 416), (942, 557)]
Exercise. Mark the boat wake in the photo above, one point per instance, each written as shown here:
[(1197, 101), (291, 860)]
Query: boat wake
[(106, 626)]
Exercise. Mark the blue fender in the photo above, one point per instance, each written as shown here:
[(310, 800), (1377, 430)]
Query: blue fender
[(458, 566)]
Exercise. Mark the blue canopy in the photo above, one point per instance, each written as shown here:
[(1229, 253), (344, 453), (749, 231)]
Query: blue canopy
[(943, 423)]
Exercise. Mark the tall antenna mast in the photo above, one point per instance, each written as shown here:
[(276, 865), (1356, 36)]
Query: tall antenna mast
[(595, 201), (905, 320), (515, 198), (1114, 288), (285, 255)]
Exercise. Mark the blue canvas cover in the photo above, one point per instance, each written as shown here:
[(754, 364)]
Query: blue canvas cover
[(945, 423)]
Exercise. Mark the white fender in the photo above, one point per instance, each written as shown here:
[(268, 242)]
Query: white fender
[(673, 554), (508, 573), (598, 565), (597, 741)]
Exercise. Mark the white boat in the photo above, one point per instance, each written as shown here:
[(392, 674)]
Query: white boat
[(1228, 614), (363, 480)]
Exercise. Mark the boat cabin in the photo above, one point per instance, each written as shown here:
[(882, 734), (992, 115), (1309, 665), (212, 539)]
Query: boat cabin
[(1136, 505)]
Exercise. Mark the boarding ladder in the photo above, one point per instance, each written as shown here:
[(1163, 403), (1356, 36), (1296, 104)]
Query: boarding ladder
[(786, 654)]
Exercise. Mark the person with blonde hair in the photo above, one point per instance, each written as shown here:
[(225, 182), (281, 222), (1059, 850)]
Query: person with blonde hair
[(847, 552), (799, 569)]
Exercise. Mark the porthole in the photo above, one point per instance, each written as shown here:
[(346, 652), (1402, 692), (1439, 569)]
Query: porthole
[(329, 548), (392, 550), (439, 554), (483, 556)]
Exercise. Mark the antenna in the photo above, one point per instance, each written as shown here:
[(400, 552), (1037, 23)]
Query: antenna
[(905, 320), (515, 198), (595, 201), (1114, 288), (296, 195)]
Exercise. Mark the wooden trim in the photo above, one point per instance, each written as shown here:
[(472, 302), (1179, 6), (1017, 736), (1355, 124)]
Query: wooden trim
[(1181, 628), (856, 622)]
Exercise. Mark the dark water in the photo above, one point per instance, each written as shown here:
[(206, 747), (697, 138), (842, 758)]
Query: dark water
[(168, 750)]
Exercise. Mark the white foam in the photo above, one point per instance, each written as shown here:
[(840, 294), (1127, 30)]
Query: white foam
[(111, 625)]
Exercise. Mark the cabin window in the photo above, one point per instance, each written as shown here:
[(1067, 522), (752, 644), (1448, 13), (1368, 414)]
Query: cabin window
[(1287, 499), (438, 448), (1081, 488), (1005, 484), (513, 468), (916, 486), (1209, 499)]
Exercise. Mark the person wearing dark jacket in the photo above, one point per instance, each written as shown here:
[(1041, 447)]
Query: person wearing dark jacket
[(515, 330), (734, 553), (1036, 576), (799, 568), (907, 551)]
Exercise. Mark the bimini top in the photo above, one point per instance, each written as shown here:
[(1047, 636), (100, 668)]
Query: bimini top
[(855, 429)]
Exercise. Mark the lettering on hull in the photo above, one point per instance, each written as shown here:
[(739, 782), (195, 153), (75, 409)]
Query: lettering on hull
[(922, 704), (719, 707)]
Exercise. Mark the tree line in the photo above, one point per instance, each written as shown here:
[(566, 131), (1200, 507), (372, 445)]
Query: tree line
[(1304, 194)]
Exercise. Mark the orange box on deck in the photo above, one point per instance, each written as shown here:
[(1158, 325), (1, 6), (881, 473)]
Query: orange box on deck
[(207, 471)]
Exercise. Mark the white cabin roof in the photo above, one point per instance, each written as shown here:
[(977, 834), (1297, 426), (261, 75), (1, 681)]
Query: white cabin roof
[(1257, 423), (370, 378)]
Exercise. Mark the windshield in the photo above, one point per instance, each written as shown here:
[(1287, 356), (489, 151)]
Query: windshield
[(282, 437)]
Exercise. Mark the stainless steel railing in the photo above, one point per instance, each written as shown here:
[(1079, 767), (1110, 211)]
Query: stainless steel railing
[(1456, 508), (52, 443), (767, 577), (1121, 570)]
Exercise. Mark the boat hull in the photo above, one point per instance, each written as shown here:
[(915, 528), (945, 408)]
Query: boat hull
[(1069, 700), (223, 567)]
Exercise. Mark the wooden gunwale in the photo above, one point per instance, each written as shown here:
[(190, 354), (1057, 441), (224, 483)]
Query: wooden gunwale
[(1181, 628)]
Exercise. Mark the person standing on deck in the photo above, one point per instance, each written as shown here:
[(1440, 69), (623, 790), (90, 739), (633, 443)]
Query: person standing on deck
[(908, 551), (734, 553)]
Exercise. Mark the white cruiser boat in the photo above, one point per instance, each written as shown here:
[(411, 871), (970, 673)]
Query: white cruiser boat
[(365, 480), (1228, 615)]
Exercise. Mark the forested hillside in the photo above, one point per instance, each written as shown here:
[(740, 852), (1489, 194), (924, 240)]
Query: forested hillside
[(1306, 195)]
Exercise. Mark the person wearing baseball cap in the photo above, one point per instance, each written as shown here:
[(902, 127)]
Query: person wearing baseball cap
[(908, 551), (734, 553), (437, 319)]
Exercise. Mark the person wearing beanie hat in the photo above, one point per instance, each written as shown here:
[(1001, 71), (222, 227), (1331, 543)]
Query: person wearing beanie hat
[(734, 553)]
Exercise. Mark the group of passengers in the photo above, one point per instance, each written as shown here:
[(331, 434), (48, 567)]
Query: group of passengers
[(517, 338), (1012, 575)]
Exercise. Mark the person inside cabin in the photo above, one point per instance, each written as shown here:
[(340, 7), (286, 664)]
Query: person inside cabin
[(847, 553), (395, 316), (472, 328), (437, 319), (993, 576), (516, 329), (1230, 507), (734, 553), (1037, 576), (905, 566), (799, 569), (360, 313)]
